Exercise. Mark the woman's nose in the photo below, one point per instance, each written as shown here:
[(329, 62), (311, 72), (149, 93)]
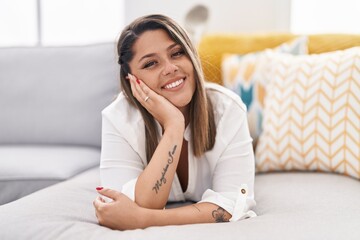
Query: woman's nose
[(169, 68)]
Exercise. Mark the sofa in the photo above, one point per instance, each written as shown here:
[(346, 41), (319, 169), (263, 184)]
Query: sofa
[(50, 140)]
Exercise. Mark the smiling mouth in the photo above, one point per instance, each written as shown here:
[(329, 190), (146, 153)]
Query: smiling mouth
[(174, 84)]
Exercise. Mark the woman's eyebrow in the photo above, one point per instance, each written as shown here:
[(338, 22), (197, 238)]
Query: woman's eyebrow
[(172, 45), (153, 54), (147, 56)]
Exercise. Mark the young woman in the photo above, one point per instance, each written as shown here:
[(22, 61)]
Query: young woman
[(170, 137)]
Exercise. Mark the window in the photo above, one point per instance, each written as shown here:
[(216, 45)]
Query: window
[(81, 21), (60, 22), (18, 25), (325, 16)]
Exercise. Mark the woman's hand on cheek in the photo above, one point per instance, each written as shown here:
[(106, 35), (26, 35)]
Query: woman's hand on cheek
[(121, 214), (158, 106)]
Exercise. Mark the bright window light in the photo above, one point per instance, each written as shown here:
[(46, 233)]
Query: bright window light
[(325, 16), (81, 21), (18, 25)]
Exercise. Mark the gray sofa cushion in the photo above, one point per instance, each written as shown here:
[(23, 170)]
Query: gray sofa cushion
[(289, 206), (54, 95), (25, 169)]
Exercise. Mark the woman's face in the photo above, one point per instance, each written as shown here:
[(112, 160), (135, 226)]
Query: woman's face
[(163, 66)]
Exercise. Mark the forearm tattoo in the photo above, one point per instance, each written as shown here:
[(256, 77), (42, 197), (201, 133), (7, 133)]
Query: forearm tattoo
[(196, 207), (219, 215), (162, 180)]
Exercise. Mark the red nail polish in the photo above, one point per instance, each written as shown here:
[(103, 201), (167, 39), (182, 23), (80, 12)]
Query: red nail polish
[(138, 81), (99, 188)]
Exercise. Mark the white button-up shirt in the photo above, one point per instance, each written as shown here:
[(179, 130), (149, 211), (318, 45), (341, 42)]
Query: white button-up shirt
[(223, 176)]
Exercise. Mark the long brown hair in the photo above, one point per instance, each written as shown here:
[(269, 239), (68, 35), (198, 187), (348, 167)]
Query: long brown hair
[(202, 123)]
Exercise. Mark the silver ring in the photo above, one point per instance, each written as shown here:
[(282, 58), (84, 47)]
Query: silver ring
[(147, 98)]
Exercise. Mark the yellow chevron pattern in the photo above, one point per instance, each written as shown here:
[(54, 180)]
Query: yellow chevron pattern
[(244, 75), (312, 113)]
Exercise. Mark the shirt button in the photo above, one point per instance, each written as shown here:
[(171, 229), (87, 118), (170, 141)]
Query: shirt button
[(243, 191)]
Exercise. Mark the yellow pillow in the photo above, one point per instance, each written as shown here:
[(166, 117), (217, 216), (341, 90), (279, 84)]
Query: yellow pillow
[(213, 46), (312, 113)]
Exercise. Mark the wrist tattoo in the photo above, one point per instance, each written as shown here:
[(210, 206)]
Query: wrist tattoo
[(162, 180), (219, 215)]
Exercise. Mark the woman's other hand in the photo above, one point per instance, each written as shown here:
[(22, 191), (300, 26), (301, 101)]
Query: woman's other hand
[(121, 214)]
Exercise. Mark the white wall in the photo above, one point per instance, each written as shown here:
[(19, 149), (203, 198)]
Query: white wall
[(341, 16), (87, 21), (225, 15)]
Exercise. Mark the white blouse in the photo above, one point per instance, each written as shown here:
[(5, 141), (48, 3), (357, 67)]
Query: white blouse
[(223, 176)]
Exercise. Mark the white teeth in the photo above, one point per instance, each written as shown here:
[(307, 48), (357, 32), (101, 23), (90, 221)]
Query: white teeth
[(174, 84)]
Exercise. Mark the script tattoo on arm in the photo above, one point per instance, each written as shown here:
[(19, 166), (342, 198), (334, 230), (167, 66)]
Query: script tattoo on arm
[(162, 180), (219, 215)]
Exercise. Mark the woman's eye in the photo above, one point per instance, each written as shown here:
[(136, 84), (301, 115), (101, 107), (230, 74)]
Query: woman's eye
[(178, 53), (149, 64)]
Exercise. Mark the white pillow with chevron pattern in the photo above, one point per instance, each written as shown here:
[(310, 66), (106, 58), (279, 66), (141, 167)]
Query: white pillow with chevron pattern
[(312, 113), (242, 73)]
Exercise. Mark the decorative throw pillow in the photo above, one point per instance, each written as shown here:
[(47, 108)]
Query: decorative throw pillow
[(244, 75), (312, 113)]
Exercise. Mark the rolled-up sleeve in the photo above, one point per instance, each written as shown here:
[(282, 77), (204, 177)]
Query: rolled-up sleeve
[(120, 165), (233, 176)]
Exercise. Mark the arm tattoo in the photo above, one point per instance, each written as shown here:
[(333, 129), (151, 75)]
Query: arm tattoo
[(196, 207), (219, 215), (162, 180)]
